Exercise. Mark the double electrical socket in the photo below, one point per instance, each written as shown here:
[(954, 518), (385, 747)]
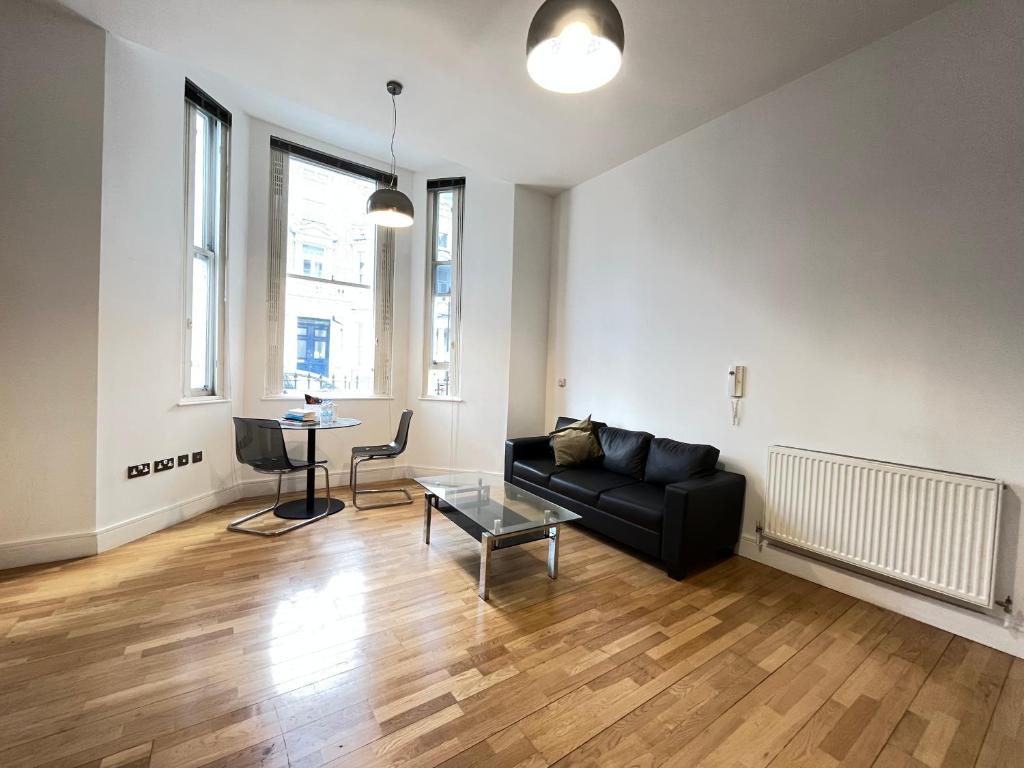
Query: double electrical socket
[(162, 465)]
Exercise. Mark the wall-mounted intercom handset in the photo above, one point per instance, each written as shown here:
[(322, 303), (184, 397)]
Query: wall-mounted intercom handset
[(737, 377)]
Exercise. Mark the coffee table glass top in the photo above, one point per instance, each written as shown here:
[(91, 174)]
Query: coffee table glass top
[(495, 505)]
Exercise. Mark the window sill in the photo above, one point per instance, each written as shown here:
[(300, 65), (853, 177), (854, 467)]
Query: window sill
[(438, 399), (325, 396), (204, 400)]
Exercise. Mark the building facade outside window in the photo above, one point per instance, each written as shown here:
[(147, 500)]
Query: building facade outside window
[(331, 280)]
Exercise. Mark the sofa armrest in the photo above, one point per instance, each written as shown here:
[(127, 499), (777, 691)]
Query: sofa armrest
[(517, 448), (702, 516)]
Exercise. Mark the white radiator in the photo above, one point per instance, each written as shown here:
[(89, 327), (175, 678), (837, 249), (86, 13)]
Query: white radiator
[(932, 530)]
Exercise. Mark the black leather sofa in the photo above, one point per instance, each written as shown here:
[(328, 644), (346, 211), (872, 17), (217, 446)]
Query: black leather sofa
[(659, 496)]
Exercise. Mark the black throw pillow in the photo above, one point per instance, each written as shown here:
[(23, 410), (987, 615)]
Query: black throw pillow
[(625, 451), (670, 461)]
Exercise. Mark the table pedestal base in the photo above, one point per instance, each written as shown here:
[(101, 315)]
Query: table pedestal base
[(296, 510)]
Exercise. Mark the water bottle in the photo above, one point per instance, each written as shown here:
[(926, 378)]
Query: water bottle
[(327, 412)]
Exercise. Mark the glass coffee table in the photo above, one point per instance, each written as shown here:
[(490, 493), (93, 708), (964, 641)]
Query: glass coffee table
[(495, 513)]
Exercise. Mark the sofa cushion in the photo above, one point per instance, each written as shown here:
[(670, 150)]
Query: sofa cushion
[(640, 503), (564, 421), (537, 471), (585, 484), (625, 451), (669, 461), (575, 444)]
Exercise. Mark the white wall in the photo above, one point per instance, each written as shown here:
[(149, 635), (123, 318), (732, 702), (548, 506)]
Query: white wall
[(856, 238), (468, 433), (379, 415), (531, 268), (51, 122), (141, 317)]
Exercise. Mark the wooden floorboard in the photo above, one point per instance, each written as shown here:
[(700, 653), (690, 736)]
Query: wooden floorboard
[(351, 643)]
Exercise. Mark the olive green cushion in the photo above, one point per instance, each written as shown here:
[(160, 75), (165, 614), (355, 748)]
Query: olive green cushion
[(575, 444)]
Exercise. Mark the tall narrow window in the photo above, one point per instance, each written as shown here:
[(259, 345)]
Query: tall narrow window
[(329, 288), (443, 300), (207, 139)]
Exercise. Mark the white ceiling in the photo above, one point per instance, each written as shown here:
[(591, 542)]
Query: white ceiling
[(468, 98)]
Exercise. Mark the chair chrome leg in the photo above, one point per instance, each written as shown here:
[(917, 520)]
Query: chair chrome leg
[(238, 527), (354, 480), (327, 486)]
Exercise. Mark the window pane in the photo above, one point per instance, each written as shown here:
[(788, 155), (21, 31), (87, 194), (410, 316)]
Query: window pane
[(438, 383), (199, 182), (312, 260), (200, 322), (441, 374), (443, 279), (444, 226), (441, 323), (329, 339)]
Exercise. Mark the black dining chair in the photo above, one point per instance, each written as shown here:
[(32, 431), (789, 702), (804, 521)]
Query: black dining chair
[(260, 444), (364, 453)]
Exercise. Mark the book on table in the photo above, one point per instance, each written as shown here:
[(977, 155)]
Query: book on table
[(304, 415)]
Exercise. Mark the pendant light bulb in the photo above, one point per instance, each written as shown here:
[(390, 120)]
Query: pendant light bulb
[(389, 206), (575, 46)]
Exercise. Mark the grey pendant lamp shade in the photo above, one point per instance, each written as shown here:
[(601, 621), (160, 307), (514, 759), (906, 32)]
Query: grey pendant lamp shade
[(389, 207), (575, 45)]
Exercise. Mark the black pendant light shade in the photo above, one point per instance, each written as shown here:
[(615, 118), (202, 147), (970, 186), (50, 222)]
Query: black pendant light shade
[(575, 45), (388, 206)]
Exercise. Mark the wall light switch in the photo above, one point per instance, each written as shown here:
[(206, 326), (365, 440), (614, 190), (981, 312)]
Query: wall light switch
[(197, 456), (182, 459)]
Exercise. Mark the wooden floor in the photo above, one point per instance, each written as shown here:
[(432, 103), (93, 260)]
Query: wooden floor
[(350, 643)]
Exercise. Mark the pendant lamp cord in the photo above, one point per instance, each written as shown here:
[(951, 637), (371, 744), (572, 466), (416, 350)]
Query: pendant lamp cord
[(394, 129)]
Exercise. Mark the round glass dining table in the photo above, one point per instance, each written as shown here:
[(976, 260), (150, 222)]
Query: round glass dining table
[(311, 506)]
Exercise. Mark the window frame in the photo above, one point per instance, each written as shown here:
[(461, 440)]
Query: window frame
[(213, 251), (278, 274), (435, 187)]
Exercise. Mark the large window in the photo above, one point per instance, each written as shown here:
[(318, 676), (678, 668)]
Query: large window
[(329, 280), (207, 136), (443, 300)]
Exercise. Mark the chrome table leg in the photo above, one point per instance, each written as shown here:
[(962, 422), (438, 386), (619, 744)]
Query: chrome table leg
[(553, 551), (426, 517), (486, 548)]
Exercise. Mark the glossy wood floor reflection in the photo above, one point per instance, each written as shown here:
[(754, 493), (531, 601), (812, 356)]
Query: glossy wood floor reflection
[(350, 643)]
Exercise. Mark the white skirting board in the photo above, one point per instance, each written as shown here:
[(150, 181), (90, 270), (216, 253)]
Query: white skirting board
[(150, 522), (47, 549), (973, 625), (51, 549)]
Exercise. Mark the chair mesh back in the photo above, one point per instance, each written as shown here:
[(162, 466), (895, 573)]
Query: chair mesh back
[(402, 437), (260, 444)]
